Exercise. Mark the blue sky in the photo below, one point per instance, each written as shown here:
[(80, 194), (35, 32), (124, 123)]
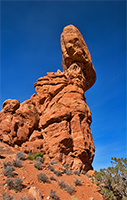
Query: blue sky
[(30, 47)]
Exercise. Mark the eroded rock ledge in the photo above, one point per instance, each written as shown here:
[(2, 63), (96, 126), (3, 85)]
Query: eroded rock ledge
[(56, 120)]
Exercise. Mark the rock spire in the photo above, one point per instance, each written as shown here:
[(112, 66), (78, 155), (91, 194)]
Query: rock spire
[(56, 119)]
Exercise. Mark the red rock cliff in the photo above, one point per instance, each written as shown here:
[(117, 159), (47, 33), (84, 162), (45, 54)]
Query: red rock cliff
[(57, 119)]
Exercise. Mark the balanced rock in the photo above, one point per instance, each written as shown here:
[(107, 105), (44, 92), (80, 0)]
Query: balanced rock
[(75, 50), (57, 119)]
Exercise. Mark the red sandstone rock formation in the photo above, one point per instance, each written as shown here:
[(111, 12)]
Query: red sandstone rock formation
[(74, 50), (57, 119)]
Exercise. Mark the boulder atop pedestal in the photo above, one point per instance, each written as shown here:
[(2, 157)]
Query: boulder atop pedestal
[(56, 119)]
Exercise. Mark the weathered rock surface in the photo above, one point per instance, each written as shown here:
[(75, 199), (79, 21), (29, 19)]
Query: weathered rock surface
[(17, 125), (35, 193), (57, 119), (75, 50)]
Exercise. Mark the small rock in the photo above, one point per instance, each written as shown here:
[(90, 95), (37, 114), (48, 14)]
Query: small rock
[(35, 193)]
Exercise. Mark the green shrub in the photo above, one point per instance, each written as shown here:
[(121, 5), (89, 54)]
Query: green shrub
[(113, 180), (29, 158), (36, 156)]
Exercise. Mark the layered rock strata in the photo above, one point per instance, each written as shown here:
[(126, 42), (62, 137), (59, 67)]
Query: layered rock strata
[(56, 119)]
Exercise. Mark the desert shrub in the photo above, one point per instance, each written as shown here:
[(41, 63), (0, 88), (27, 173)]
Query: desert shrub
[(40, 159), (66, 167), (74, 198), (17, 163), (53, 195), (36, 156), (62, 184), (5, 164), (43, 177), (29, 158), (89, 176), (7, 197), (83, 172), (51, 168), (52, 178), (20, 156), (77, 181), (113, 180), (18, 184), (70, 189), (53, 162), (58, 172), (77, 172), (38, 165), (10, 183), (27, 198), (8, 169), (68, 172)]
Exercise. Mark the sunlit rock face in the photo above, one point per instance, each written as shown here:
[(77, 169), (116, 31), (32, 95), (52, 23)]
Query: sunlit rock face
[(75, 50), (56, 119)]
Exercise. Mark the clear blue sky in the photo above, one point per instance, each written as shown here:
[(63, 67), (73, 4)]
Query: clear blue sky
[(30, 47)]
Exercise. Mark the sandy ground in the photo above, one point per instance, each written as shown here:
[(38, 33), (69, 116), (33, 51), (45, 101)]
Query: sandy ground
[(28, 173)]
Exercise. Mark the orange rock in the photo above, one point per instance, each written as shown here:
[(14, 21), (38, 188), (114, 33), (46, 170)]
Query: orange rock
[(33, 146), (57, 119), (35, 193), (35, 135), (75, 50), (10, 105)]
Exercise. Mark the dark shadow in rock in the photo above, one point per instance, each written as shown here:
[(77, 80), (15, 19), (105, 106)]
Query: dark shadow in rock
[(2, 157)]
